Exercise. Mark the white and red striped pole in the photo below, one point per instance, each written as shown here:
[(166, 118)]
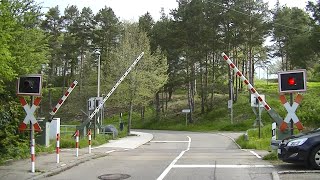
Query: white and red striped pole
[(33, 156), (89, 139), (274, 115), (77, 143), (64, 97), (58, 148)]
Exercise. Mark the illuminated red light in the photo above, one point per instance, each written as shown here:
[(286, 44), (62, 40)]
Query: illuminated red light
[(291, 81)]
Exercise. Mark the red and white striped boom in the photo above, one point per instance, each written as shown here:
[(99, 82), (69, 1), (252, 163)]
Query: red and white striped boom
[(64, 97), (273, 114), (115, 86)]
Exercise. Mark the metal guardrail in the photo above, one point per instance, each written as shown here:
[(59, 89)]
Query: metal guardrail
[(68, 129), (71, 129)]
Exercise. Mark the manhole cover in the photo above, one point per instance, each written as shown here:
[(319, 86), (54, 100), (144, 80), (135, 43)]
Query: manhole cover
[(114, 176)]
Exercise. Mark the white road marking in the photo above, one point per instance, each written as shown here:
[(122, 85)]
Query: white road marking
[(254, 153), (62, 150), (166, 171), (169, 141), (107, 152), (231, 139), (223, 166)]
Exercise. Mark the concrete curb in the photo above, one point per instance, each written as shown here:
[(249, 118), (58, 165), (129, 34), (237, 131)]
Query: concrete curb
[(299, 172), (69, 166), (275, 175)]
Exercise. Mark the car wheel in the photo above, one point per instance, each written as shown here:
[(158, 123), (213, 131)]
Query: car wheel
[(314, 158)]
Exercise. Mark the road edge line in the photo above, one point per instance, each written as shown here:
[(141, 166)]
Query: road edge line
[(231, 139)]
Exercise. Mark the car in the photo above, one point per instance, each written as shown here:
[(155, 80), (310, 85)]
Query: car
[(303, 148)]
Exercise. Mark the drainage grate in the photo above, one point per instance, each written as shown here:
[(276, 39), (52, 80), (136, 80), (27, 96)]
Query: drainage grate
[(114, 176)]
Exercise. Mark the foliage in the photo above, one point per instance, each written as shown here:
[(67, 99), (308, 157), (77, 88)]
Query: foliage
[(13, 145)]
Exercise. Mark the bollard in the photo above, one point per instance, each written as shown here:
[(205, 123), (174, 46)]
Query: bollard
[(77, 143), (58, 148), (33, 157), (89, 137)]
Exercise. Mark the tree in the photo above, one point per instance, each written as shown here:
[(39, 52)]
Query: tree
[(84, 37), (149, 75), (106, 36), (291, 33)]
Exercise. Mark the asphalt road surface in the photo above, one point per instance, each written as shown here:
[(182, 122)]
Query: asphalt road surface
[(175, 155)]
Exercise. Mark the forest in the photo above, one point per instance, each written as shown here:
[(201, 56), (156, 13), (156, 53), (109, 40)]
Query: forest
[(182, 51)]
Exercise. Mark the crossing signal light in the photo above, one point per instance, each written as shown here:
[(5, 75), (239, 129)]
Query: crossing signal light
[(292, 81), (29, 85)]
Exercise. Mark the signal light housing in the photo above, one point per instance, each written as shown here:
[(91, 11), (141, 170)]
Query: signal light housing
[(29, 85), (292, 81)]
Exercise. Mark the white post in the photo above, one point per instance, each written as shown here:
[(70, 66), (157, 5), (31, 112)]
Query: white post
[(273, 131)]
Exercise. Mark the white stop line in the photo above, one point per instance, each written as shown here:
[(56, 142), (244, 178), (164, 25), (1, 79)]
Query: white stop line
[(166, 171), (224, 166)]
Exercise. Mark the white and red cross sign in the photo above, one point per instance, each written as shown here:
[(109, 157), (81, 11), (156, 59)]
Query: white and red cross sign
[(291, 112), (30, 115)]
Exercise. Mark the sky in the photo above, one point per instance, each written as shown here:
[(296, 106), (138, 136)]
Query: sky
[(131, 9)]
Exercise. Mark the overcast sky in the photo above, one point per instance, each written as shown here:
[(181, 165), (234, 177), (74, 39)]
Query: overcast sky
[(132, 9)]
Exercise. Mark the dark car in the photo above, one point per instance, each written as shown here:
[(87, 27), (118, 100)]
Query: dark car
[(302, 148)]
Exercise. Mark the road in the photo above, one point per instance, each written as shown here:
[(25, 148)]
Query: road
[(177, 156)]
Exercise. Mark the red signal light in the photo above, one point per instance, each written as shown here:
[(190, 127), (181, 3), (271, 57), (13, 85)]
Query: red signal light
[(291, 81)]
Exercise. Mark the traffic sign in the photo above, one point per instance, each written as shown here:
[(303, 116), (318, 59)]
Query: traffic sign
[(291, 112), (30, 116), (186, 110), (255, 101)]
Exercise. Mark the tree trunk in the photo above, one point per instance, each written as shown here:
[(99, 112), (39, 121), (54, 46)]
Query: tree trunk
[(202, 95), (206, 83), (162, 101), (130, 116), (158, 110), (142, 113)]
